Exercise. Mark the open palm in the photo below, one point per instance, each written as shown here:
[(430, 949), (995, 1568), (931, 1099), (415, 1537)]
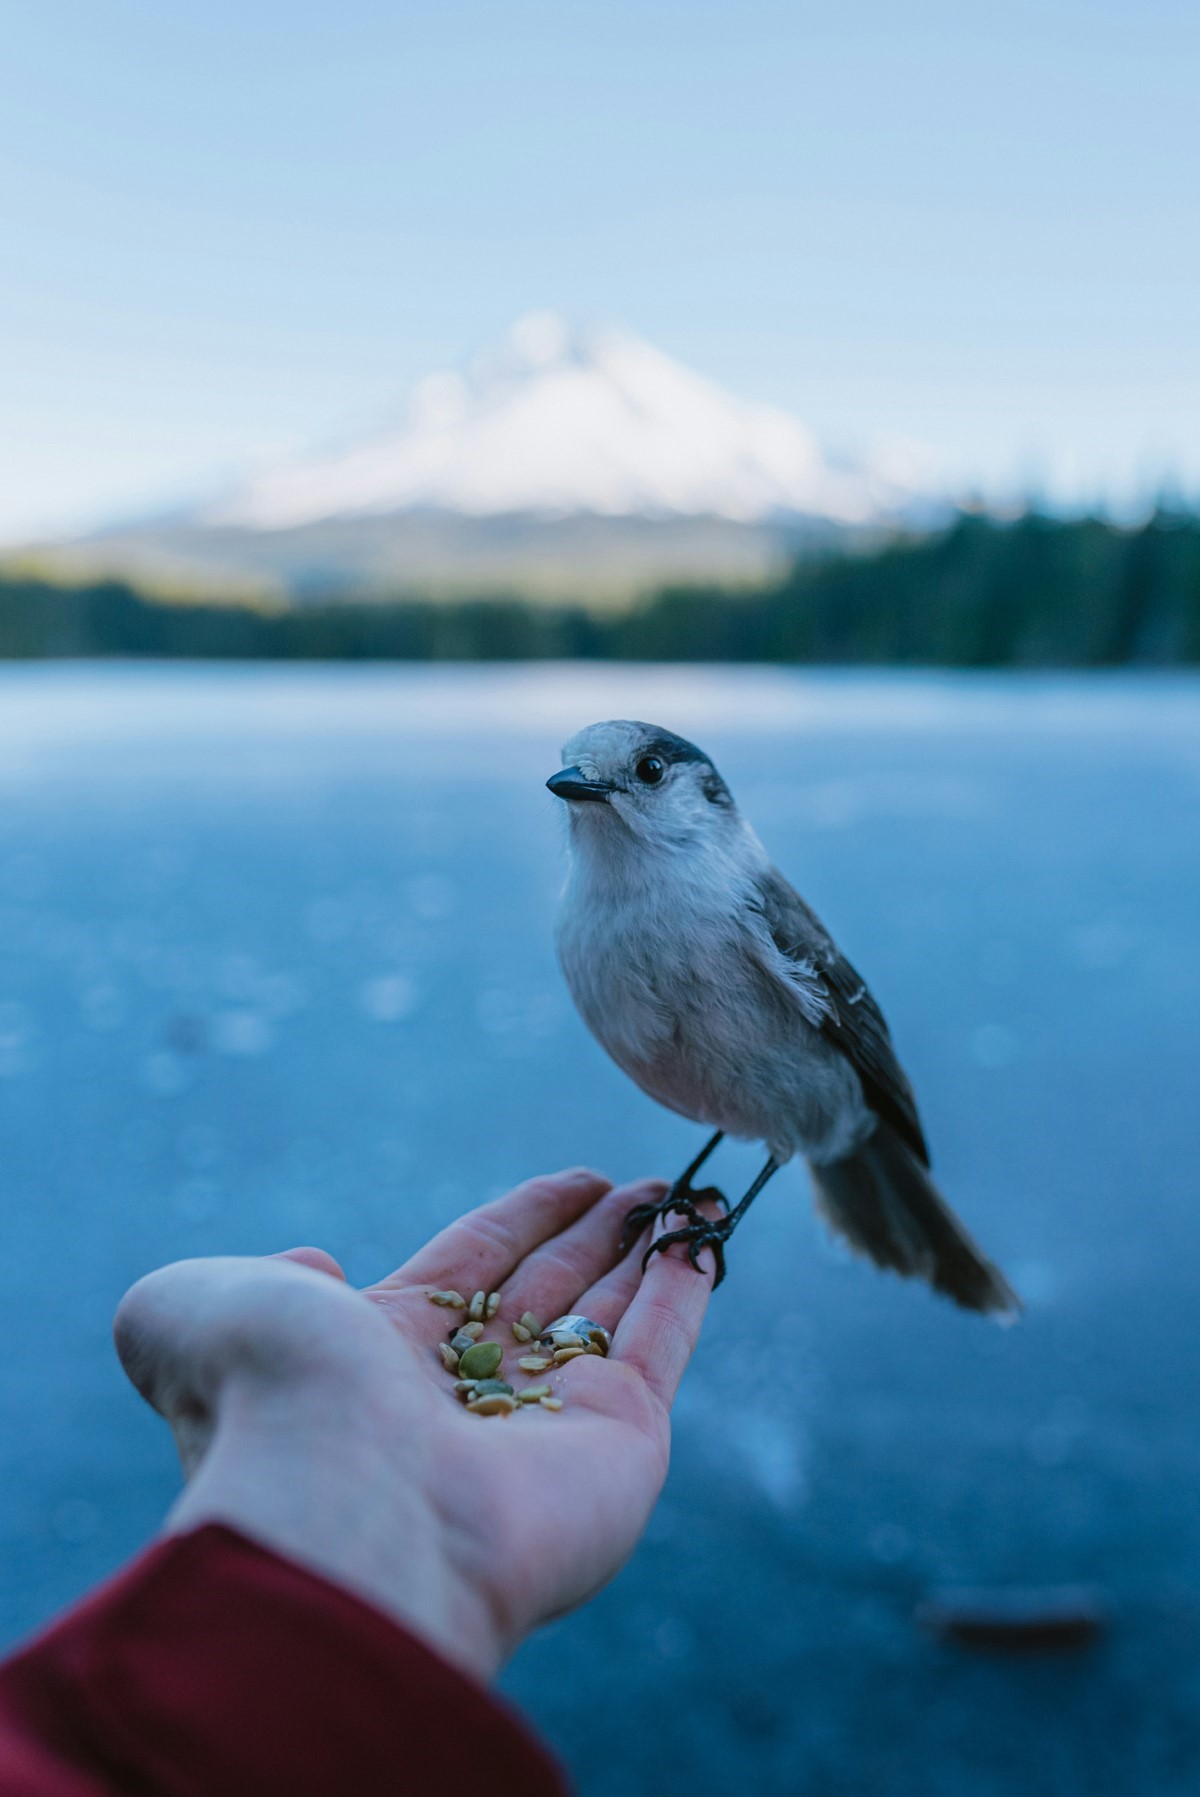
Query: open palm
[(529, 1513)]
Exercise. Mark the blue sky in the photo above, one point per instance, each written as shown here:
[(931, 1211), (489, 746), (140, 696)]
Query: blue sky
[(231, 229)]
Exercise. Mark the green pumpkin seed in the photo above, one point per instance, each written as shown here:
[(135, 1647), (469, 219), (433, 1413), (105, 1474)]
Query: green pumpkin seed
[(481, 1360)]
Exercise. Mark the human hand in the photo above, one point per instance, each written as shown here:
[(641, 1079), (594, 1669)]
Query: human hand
[(320, 1420)]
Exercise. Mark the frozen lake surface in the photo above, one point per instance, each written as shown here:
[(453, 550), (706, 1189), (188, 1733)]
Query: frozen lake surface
[(275, 966)]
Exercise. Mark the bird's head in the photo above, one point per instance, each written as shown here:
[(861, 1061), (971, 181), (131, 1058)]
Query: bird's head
[(644, 780)]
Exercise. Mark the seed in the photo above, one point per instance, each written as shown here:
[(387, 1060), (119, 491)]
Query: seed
[(475, 1308), (534, 1363), (532, 1393), (551, 1403), (449, 1357), (462, 1338), (486, 1388), (597, 1341), (448, 1300), (530, 1322), (565, 1354), (566, 1338), (492, 1305), (465, 1388), (481, 1360), (520, 1333), (594, 1347), (497, 1403)]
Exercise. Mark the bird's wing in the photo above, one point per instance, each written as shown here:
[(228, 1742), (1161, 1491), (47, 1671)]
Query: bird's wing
[(835, 998)]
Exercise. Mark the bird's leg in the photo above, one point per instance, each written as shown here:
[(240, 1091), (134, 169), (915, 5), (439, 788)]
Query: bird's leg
[(711, 1232), (680, 1198)]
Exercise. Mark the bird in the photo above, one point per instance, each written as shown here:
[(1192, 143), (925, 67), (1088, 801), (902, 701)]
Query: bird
[(714, 986)]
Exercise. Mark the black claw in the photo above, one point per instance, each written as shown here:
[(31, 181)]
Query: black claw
[(713, 1193), (680, 1202), (702, 1234), (635, 1222)]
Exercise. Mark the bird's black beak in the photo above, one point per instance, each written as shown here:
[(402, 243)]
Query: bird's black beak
[(571, 783)]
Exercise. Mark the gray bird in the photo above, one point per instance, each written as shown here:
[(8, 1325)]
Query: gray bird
[(711, 983)]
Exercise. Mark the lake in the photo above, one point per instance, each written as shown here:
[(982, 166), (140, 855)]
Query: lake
[(275, 966)]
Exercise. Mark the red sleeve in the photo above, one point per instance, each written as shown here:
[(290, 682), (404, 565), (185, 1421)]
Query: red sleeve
[(213, 1668)]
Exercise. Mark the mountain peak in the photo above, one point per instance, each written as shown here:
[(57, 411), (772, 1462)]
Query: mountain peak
[(559, 420)]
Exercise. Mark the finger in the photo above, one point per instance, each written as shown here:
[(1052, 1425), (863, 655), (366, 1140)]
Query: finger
[(549, 1281), (607, 1301), (316, 1258), (660, 1328), (482, 1249)]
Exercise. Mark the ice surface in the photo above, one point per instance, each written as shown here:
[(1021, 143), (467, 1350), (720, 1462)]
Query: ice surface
[(275, 966)]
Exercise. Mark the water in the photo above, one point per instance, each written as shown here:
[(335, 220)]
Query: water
[(275, 966)]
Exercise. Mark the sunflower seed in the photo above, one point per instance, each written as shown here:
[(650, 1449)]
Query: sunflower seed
[(565, 1338), (530, 1322), (534, 1363), (532, 1393), (465, 1388), (565, 1354), (481, 1360), (495, 1404), (448, 1300), (551, 1403), (594, 1348), (462, 1339), (475, 1308), (520, 1333), (449, 1357), (491, 1305)]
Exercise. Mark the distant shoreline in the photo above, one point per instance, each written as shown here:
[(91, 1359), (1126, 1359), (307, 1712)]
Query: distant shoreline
[(1034, 593)]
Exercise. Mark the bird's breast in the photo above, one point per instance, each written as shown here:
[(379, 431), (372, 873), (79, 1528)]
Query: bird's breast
[(668, 983), (661, 985)]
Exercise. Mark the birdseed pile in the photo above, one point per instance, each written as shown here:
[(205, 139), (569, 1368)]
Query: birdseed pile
[(474, 1364)]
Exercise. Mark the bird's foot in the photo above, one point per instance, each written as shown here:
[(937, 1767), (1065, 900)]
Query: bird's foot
[(679, 1201), (702, 1232)]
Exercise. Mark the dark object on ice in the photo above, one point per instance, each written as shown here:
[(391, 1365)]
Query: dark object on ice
[(1017, 1618)]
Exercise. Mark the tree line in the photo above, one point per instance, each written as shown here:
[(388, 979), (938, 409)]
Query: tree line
[(1037, 592)]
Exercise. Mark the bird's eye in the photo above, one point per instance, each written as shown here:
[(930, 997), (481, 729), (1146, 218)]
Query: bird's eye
[(650, 770)]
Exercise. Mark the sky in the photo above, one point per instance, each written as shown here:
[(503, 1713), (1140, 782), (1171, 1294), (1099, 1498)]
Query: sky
[(235, 229)]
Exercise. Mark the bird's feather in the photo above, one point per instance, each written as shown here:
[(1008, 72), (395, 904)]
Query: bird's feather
[(841, 1006)]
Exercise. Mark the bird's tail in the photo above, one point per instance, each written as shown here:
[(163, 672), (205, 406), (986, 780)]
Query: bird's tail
[(884, 1202)]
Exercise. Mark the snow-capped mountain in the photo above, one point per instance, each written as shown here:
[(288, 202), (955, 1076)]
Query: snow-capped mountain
[(562, 465), (559, 422)]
